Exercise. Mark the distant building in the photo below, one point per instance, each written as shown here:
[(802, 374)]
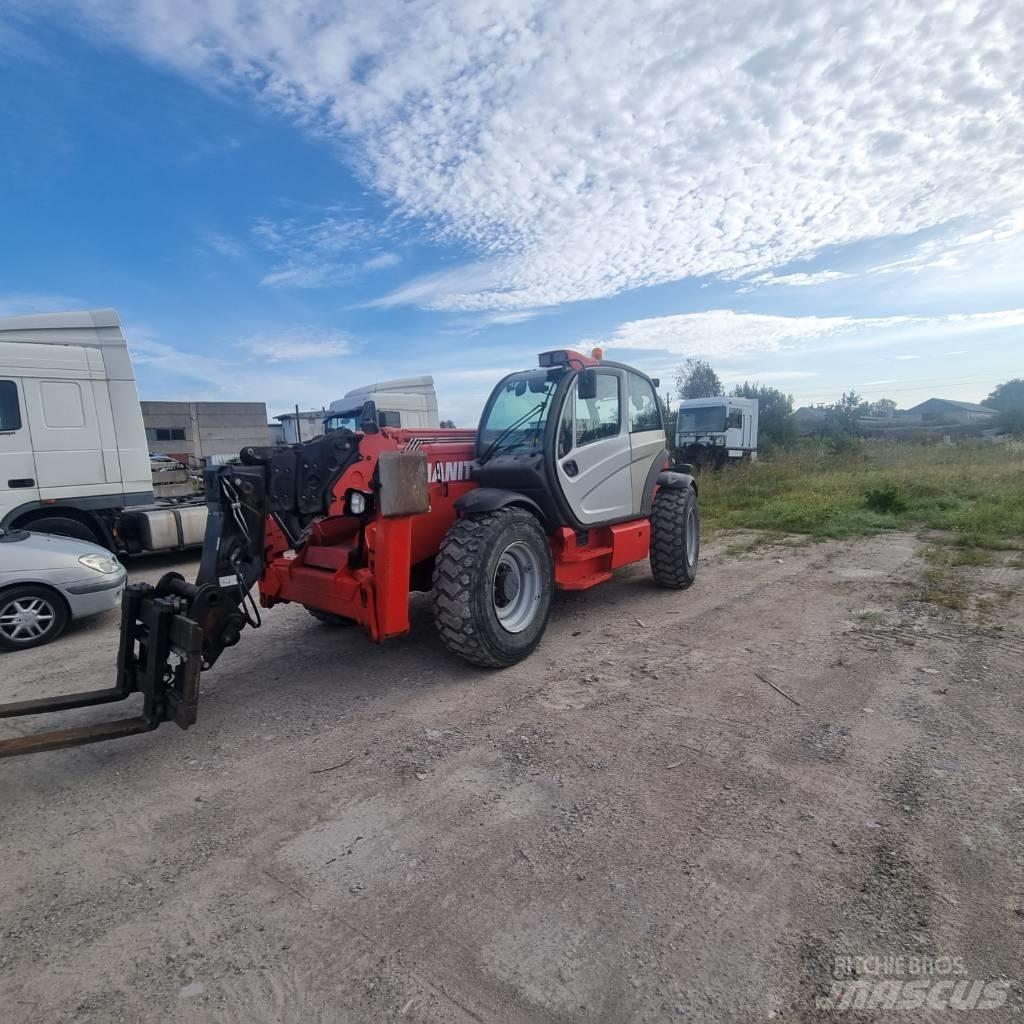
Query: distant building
[(197, 430), (286, 431), (809, 420), (945, 411)]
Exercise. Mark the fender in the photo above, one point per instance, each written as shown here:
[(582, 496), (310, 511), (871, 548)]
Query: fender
[(651, 483), (676, 481), (490, 499)]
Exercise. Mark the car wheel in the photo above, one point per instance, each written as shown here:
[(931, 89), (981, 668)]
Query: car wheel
[(30, 616)]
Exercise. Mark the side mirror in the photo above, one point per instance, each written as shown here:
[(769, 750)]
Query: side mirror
[(586, 385), (656, 381), (368, 418)]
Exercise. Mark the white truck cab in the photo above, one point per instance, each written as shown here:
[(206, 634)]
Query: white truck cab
[(714, 431), (409, 402), (73, 453)]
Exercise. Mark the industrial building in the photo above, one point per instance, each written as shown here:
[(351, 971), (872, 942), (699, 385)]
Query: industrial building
[(192, 431), (951, 412)]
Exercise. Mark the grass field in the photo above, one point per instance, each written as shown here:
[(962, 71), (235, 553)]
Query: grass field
[(974, 491)]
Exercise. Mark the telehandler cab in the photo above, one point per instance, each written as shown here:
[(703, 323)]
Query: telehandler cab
[(564, 481)]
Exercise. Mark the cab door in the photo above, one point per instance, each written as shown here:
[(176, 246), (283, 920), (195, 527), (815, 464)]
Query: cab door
[(646, 439), (65, 434), (18, 484), (592, 457)]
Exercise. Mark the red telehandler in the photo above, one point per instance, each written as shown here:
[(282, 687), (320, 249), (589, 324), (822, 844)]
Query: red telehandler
[(565, 480)]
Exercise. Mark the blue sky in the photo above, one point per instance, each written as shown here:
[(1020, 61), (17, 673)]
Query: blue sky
[(287, 200)]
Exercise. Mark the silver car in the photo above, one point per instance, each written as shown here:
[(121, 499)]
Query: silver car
[(45, 580)]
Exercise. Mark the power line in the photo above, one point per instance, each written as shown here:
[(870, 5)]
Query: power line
[(916, 387)]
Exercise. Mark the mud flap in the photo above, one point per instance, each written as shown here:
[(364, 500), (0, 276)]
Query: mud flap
[(160, 657)]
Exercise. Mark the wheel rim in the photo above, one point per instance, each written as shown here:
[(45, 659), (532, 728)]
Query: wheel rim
[(26, 618), (516, 588), (691, 536)]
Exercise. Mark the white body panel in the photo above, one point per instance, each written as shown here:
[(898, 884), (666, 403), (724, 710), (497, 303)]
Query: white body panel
[(736, 431), (412, 399), (80, 433)]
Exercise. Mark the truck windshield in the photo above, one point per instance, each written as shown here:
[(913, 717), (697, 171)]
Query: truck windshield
[(706, 419), (343, 419), (517, 412)]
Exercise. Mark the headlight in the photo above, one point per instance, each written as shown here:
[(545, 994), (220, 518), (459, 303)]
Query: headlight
[(357, 503), (101, 563)]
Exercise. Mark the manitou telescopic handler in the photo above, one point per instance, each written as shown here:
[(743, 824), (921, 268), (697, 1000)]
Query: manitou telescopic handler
[(564, 481)]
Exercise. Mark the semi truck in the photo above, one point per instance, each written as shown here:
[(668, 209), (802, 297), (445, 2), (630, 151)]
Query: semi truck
[(73, 450), (73, 454), (711, 432), (410, 402)]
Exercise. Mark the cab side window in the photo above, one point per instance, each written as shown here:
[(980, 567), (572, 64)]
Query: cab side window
[(599, 417), (567, 425), (644, 408), (10, 410), (735, 419)]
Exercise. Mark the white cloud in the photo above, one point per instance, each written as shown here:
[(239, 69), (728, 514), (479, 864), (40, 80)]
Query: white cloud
[(517, 317), (313, 252), (167, 372), (794, 280), (998, 247), (383, 261), (766, 375), (583, 147), (298, 343), (219, 244), (480, 321), (725, 334)]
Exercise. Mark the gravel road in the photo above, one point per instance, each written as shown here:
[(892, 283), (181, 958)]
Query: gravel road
[(632, 825)]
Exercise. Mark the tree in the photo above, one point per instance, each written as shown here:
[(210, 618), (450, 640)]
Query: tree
[(1008, 400), (668, 417), (696, 379), (884, 407), (448, 424), (841, 416), (775, 427)]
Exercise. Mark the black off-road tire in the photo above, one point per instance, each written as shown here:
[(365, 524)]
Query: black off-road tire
[(675, 550), (466, 595)]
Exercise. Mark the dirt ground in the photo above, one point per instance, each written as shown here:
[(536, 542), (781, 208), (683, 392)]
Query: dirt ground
[(632, 825)]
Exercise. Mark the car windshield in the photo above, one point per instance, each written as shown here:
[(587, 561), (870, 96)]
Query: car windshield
[(706, 419), (517, 412), (343, 419)]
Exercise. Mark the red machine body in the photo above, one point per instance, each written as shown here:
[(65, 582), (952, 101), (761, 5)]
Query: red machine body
[(565, 483), (364, 568)]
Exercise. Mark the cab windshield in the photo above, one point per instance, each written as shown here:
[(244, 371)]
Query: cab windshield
[(517, 412), (707, 419), (343, 419)]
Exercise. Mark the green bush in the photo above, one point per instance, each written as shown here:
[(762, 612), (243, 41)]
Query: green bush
[(886, 499)]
